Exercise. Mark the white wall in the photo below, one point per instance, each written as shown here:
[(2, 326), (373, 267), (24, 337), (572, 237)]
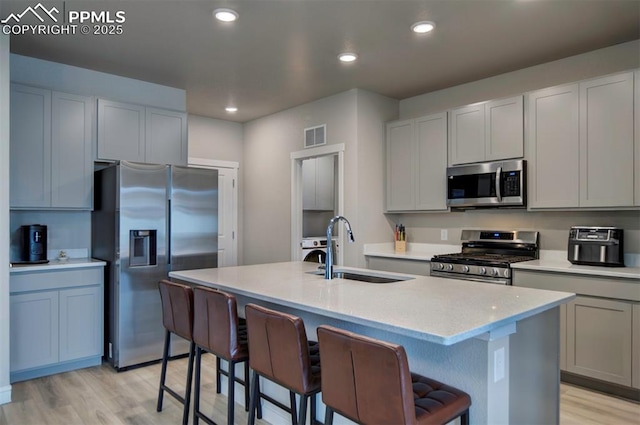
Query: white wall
[(5, 387), (71, 79), (268, 143), (612, 59), (215, 139)]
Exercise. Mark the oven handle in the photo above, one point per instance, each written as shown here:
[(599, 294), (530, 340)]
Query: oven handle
[(498, 183)]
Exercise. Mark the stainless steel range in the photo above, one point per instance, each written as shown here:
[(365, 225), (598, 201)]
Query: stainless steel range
[(487, 255)]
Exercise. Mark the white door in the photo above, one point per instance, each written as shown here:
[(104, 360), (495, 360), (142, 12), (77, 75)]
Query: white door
[(227, 208), (227, 217)]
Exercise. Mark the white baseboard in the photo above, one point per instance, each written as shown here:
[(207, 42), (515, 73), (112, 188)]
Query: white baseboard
[(5, 394)]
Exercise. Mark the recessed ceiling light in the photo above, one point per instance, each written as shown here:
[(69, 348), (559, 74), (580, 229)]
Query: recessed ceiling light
[(225, 15), (231, 109), (347, 57), (423, 26)]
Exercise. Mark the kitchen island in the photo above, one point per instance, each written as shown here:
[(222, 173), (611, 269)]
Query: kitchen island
[(498, 343)]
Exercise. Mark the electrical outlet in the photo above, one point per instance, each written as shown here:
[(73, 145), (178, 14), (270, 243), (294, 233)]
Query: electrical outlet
[(444, 234), (498, 364)]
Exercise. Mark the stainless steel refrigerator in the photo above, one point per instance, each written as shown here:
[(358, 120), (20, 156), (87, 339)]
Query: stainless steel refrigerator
[(148, 220)]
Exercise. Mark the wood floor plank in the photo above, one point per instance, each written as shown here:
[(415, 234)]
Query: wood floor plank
[(101, 396)]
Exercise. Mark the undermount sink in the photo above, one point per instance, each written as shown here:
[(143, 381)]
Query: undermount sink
[(364, 277)]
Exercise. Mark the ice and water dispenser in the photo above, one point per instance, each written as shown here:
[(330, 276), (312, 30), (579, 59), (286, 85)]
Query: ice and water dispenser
[(142, 248)]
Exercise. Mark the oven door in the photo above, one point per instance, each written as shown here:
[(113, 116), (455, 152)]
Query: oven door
[(492, 184)]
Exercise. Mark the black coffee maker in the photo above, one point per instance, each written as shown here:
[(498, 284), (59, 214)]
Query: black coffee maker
[(34, 243)]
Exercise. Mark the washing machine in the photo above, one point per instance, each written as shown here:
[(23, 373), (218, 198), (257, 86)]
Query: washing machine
[(314, 249)]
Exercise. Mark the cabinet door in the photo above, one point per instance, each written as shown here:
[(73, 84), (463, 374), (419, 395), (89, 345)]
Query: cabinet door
[(80, 323), (121, 131), (34, 329), (606, 142), (431, 162), (635, 347), (553, 140), (636, 121), (309, 184), (467, 142), (400, 164), (504, 126), (30, 147), (166, 137), (72, 151), (599, 339), (563, 337), (325, 177)]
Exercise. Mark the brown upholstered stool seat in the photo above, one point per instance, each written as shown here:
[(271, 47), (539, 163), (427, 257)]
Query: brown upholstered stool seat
[(218, 329), (177, 318), (279, 351), (369, 382)]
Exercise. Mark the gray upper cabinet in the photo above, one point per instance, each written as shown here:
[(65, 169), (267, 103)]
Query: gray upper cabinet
[(51, 149), (606, 141), (636, 120), (30, 147), (487, 131), (553, 140), (416, 164), (166, 137), (400, 181), (318, 180), (72, 141), (121, 131), (580, 144), (141, 134)]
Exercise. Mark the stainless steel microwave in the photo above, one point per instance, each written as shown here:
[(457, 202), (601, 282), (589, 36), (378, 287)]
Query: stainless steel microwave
[(490, 184)]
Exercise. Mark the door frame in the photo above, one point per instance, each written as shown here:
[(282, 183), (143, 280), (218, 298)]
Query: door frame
[(217, 164), (296, 193)]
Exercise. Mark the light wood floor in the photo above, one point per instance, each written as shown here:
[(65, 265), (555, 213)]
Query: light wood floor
[(98, 395)]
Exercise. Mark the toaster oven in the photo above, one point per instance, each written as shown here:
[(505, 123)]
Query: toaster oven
[(596, 246)]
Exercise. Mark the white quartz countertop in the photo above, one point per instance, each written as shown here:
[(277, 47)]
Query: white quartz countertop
[(564, 266), (54, 265), (415, 251), (439, 310)]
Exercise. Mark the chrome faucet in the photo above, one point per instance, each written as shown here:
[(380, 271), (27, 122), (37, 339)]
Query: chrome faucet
[(328, 270)]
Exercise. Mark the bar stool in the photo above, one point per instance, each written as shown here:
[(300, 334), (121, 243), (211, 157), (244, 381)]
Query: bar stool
[(177, 318), (217, 330), (280, 352), (369, 382)]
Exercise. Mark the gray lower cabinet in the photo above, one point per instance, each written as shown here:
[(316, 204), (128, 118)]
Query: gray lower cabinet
[(56, 321), (51, 149), (599, 327), (141, 134), (599, 334)]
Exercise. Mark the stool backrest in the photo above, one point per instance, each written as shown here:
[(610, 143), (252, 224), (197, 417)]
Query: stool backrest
[(365, 379), (278, 348), (215, 326), (177, 308)]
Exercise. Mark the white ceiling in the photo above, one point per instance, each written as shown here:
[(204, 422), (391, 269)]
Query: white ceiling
[(282, 53)]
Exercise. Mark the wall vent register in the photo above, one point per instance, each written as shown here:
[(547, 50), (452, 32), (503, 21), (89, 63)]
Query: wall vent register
[(315, 136)]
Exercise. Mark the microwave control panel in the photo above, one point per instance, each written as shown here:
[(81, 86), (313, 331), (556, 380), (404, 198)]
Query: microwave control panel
[(511, 183)]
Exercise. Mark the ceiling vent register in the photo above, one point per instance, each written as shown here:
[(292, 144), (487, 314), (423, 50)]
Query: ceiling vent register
[(315, 136)]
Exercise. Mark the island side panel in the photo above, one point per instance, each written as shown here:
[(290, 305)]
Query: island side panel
[(535, 370)]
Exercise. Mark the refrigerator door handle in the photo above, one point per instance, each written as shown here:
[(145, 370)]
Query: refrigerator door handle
[(169, 232)]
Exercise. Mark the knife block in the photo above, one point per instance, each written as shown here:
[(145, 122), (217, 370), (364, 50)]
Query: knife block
[(401, 246)]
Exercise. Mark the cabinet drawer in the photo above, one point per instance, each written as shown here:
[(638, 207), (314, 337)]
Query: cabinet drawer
[(44, 280)]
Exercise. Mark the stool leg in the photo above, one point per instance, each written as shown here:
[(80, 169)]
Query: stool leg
[(303, 410), (231, 374), (259, 401), (163, 373), (328, 416), (255, 398), (196, 395), (218, 384), (292, 402), (464, 418), (313, 420), (187, 395), (246, 387)]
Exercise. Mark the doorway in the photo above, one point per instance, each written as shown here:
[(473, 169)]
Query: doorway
[(299, 204)]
